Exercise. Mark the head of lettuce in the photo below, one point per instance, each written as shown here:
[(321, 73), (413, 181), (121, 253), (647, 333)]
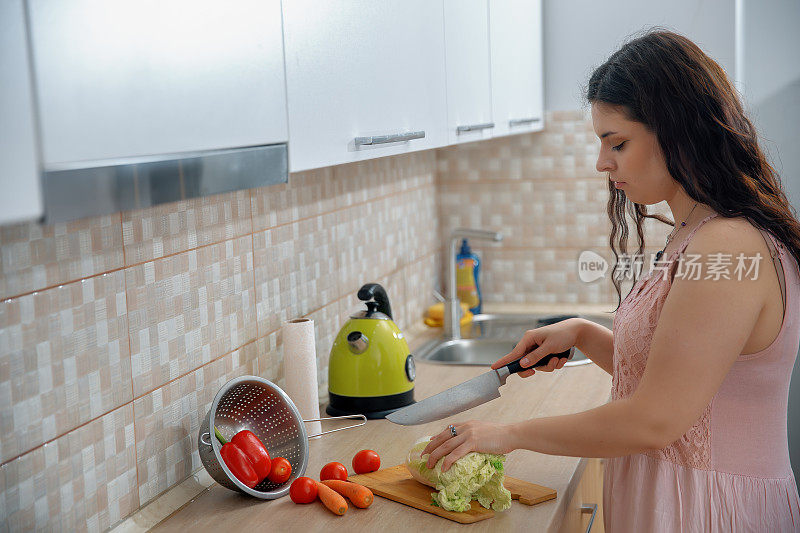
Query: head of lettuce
[(476, 476)]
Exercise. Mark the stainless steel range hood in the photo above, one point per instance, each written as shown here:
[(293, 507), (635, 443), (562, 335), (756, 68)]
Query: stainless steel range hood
[(96, 188)]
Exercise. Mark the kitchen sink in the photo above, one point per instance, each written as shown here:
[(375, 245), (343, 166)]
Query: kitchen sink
[(490, 337)]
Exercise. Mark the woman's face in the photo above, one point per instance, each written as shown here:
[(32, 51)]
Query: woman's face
[(632, 157)]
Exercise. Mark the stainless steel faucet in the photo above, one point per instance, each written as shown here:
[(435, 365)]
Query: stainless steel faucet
[(452, 306)]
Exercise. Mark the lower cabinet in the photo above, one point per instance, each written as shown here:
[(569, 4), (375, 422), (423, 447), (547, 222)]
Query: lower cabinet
[(588, 494)]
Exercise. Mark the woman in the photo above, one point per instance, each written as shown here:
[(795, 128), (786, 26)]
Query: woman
[(696, 429)]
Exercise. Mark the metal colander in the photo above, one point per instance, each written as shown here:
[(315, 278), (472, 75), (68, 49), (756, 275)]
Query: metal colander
[(257, 404)]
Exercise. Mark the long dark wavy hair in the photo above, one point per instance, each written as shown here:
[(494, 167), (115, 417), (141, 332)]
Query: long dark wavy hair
[(664, 81)]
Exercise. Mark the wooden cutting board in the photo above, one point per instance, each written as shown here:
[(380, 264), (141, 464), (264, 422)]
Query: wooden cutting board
[(396, 484)]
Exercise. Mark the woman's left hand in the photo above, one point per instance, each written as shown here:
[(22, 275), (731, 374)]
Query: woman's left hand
[(472, 436)]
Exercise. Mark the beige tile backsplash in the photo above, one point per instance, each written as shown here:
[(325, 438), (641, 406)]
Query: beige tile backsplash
[(83, 480), (116, 332), (64, 360), (186, 310), (173, 228), (33, 256)]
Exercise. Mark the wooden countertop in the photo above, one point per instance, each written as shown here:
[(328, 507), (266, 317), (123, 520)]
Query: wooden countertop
[(570, 390)]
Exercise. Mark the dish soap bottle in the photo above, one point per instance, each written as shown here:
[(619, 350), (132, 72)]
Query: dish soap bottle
[(467, 272)]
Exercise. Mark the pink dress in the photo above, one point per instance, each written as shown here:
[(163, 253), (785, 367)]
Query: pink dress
[(730, 471)]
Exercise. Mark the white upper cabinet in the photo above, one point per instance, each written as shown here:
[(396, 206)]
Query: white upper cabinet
[(469, 91), (515, 33), (20, 190), (365, 79), (146, 77)]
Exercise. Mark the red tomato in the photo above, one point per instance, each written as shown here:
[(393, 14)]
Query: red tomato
[(366, 461), (333, 470), (281, 470), (303, 490)]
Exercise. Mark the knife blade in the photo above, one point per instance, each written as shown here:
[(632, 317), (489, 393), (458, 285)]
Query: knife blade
[(471, 393)]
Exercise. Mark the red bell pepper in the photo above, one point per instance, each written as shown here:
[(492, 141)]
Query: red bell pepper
[(252, 447), (245, 456)]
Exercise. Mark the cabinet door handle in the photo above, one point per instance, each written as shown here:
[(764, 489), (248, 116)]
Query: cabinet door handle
[(392, 138), (589, 508), (474, 127), (521, 121)]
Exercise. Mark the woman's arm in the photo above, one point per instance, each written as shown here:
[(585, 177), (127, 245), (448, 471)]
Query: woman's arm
[(701, 331), (597, 342), (611, 430)]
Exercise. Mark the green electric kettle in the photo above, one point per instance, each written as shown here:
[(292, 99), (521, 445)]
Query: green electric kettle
[(371, 370)]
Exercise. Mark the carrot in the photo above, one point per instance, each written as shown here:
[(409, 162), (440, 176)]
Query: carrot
[(360, 495), (332, 499)]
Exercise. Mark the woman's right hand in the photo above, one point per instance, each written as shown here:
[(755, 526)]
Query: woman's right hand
[(537, 343)]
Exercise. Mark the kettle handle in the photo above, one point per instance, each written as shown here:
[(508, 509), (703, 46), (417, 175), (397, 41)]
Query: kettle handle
[(374, 291)]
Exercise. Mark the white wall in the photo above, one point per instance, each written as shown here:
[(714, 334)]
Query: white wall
[(771, 88), (772, 84), (579, 35)]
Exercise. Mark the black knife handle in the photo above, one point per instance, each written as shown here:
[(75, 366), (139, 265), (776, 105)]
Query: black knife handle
[(514, 366)]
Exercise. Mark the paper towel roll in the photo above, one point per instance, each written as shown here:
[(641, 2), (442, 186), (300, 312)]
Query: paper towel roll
[(300, 368)]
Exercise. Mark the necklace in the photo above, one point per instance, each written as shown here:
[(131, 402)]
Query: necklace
[(673, 233)]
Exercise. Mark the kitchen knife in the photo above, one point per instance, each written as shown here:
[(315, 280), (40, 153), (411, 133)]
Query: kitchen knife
[(471, 393)]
